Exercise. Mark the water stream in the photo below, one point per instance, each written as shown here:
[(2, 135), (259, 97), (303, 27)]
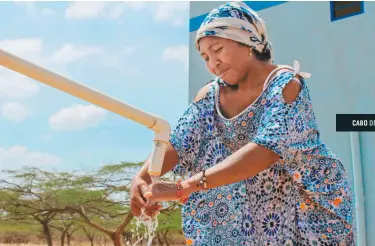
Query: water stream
[(149, 223)]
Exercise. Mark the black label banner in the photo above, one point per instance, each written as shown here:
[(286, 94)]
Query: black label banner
[(355, 122)]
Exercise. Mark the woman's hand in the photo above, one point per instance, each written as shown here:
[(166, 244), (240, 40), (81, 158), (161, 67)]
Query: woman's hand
[(167, 191), (138, 201)]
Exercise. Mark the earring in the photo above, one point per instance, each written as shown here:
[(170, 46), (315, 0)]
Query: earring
[(250, 53)]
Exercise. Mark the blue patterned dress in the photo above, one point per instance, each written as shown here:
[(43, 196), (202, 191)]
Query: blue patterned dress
[(303, 199)]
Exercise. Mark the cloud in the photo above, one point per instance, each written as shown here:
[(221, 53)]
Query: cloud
[(92, 10), (136, 5), (16, 86), (15, 111), (24, 46), (33, 11), (172, 12), (70, 53), (115, 11), (84, 10), (12, 84), (77, 117), (29, 6), (19, 156), (115, 61), (177, 53)]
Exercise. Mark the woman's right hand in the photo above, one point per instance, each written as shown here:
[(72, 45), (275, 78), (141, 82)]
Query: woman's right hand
[(137, 200)]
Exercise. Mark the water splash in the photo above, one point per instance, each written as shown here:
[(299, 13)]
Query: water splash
[(150, 223)]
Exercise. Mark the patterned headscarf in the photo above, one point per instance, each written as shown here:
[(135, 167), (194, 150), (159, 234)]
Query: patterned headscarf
[(238, 22)]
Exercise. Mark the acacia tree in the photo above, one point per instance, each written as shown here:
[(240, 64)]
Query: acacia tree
[(28, 195), (90, 233), (35, 195), (32, 194), (109, 211), (67, 226), (111, 214), (169, 223), (99, 199)]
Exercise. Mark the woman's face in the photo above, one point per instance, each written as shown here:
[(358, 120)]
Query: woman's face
[(226, 58)]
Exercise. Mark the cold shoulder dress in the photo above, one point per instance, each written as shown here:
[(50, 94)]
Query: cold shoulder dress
[(302, 199)]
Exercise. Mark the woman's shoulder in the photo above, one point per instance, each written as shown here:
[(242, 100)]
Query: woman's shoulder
[(286, 84), (201, 103), (287, 81), (288, 72), (204, 91)]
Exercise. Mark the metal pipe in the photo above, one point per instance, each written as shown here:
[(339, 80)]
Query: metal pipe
[(160, 126), (358, 188)]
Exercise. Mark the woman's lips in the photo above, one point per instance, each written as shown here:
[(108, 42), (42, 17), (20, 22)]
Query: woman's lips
[(221, 75)]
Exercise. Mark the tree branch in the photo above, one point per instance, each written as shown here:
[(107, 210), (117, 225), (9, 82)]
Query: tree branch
[(125, 222)]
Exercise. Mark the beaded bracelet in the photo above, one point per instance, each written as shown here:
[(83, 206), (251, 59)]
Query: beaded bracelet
[(178, 192), (203, 181)]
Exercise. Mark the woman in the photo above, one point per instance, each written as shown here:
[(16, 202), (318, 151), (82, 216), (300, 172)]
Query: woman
[(259, 173)]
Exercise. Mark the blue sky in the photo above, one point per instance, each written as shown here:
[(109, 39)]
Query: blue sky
[(134, 51)]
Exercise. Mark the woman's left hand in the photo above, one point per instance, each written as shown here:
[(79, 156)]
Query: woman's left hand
[(167, 191)]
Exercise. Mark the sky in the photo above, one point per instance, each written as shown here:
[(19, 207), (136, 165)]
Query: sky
[(134, 51)]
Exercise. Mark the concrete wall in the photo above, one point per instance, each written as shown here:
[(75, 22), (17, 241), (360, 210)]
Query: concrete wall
[(339, 55)]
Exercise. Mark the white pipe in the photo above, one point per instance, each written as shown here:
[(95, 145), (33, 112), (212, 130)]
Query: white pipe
[(358, 189), (160, 126)]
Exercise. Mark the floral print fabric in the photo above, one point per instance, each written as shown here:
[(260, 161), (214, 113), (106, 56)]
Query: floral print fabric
[(303, 199)]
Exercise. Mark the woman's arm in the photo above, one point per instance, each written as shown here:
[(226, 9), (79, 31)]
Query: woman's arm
[(244, 163), (170, 161)]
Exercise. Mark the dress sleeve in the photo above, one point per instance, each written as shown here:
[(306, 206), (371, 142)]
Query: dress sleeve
[(184, 138), (277, 130)]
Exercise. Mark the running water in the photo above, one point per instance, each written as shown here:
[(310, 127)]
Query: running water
[(150, 223)]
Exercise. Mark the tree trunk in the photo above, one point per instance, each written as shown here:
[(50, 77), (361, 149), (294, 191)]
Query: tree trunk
[(160, 241), (89, 235), (166, 239), (91, 238), (68, 236), (62, 238), (47, 234), (116, 239)]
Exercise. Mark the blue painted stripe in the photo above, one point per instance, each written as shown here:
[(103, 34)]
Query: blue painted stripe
[(195, 22)]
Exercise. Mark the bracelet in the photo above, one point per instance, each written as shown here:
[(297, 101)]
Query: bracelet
[(178, 186), (178, 192), (203, 181)]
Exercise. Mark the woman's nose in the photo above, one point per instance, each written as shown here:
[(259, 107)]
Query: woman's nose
[(214, 62)]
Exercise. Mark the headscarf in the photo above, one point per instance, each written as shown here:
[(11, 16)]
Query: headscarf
[(238, 22)]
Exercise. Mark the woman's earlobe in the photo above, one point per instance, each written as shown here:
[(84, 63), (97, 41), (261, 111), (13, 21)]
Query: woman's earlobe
[(251, 52)]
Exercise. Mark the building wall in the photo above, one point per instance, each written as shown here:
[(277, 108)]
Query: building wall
[(339, 55)]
